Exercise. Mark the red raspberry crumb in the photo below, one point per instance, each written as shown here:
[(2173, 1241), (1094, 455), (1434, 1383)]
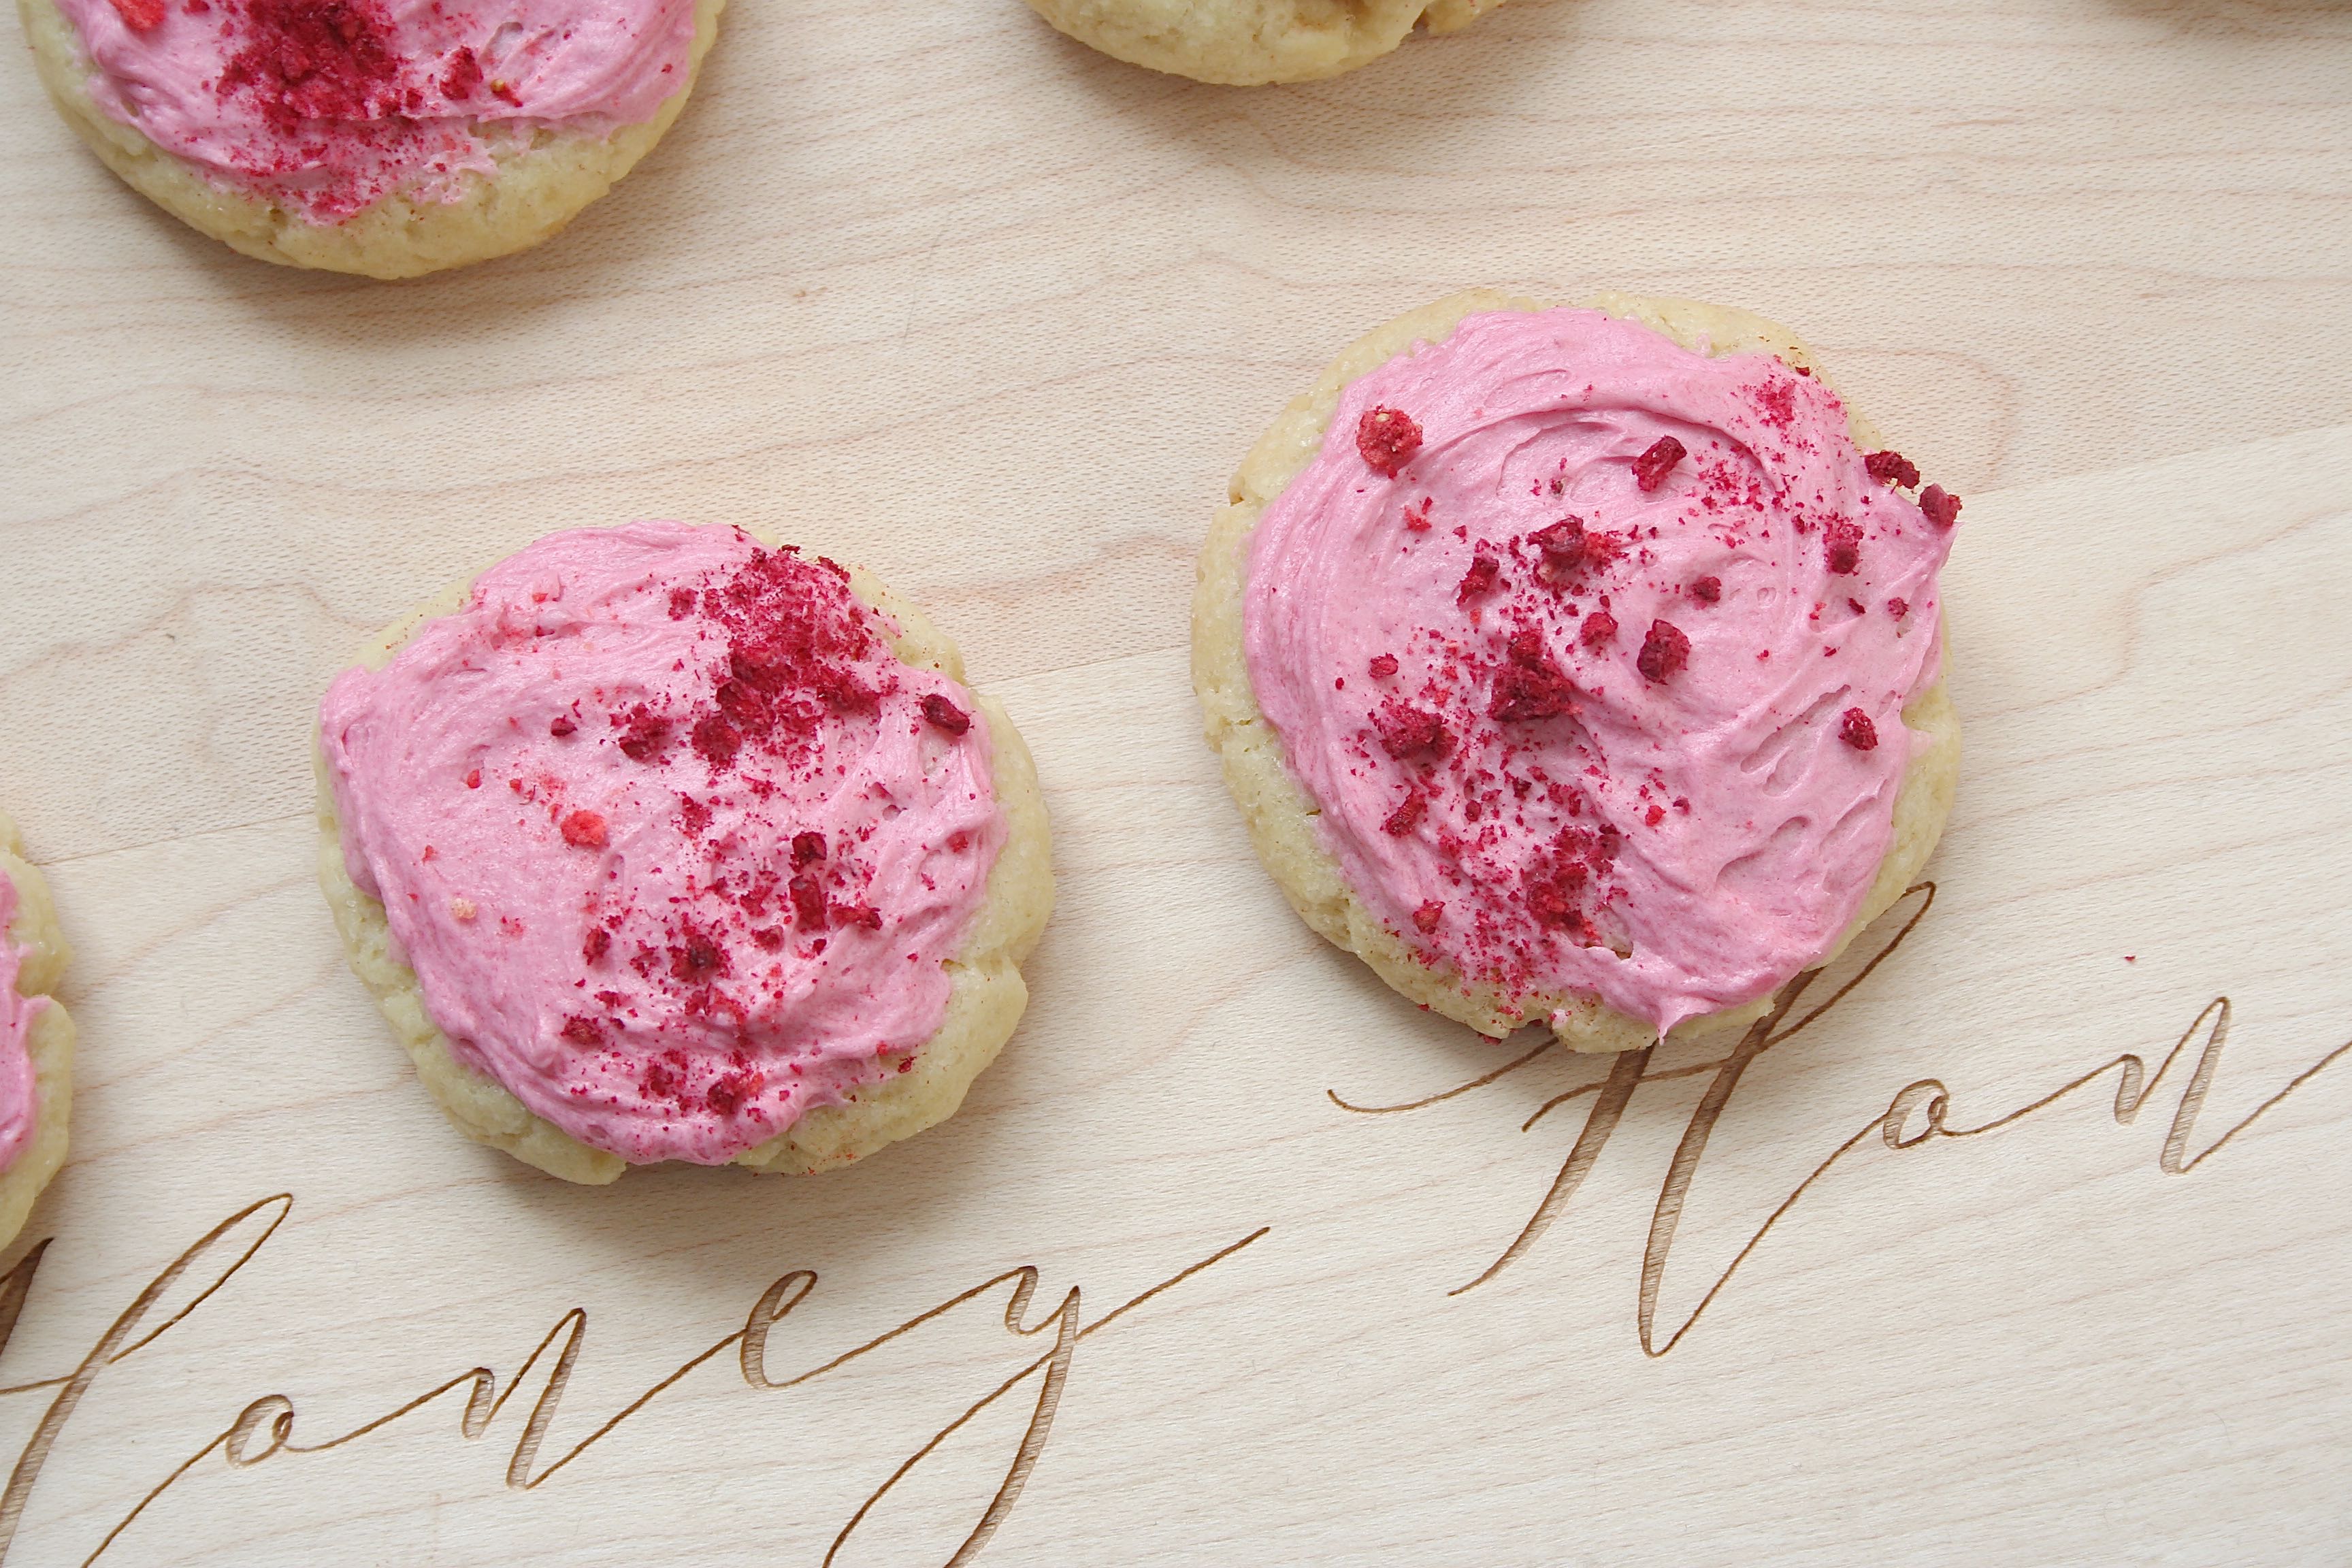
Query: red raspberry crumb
[(959, 841), (1480, 580), (1942, 507), (1383, 666), (1599, 628), (716, 741), (808, 903), (1425, 919), (584, 830), (1665, 651), (1407, 731), (1563, 543), (474, 779), (1654, 815), (681, 600), (560, 726), (1401, 820), (1418, 521), (1843, 541), (1386, 439), (596, 944), (583, 1031), (464, 79), (141, 15), (945, 716), (1898, 608), (808, 848), (1530, 686), (1706, 590), (1892, 469), (730, 1089), (1651, 469), (1855, 730), (643, 733)]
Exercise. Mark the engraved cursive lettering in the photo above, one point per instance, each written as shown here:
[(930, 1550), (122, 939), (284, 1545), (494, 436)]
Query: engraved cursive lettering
[(265, 1428), (1919, 1113)]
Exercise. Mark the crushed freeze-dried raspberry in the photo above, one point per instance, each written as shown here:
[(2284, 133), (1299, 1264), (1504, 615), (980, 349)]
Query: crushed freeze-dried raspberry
[(1892, 469), (1665, 651), (1484, 572), (1651, 469), (1855, 730), (584, 830), (1386, 439), (808, 848), (729, 1090), (1842, 543), (1401, 820), (1706, 590), (1599, 630), (141, 15), (1409, 732), (1898, 607), (945, 716), (716, 741), (1425, 919), (1383, 666), (1530, 686), (1563, 543), (1942, 507), (808, 903), (560, 726), (583, 1031), (595, 944), (643, 733)]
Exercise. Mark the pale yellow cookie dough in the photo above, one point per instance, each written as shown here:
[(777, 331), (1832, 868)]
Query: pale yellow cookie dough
[(50, 1040), (1248, 43), (1280, 817), (984, 1002), (543, 180)]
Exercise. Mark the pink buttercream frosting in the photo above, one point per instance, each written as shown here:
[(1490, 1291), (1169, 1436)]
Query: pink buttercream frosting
[(675, 843), (1569, 734), (328, 105), (19, 1104)]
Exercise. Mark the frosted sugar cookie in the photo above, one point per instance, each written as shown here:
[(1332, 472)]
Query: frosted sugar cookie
[(384, 137), (1581, 665), (37, 1037), (1246, 43), (657, 843)]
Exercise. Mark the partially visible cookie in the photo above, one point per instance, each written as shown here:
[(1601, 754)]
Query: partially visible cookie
[(1580, 666), (37, 1037), (656, 842), (1246, 43), (388, 137)]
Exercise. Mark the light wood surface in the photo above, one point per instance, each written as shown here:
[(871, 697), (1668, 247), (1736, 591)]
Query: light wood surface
[(939, 290)]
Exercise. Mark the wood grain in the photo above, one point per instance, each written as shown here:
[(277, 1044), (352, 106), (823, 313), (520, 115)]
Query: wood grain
[(939, 290)]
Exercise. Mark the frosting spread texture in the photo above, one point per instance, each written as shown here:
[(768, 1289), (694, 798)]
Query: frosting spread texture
[(19, 1106), (675, 843), (328, 105), (1590, 653)]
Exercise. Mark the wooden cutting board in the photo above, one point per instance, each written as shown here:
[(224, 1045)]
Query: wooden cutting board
[(2032, 1249)]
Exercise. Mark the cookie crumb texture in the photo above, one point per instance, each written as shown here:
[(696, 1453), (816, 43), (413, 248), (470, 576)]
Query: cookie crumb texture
[(1549, 789), (693, 849), (1249, 43), (33, 956), (387, 138)]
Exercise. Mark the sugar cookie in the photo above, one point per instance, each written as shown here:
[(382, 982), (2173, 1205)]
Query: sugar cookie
[(1581, 665), (385, 137), (655, 843), (1246, 43), (37, 1037)]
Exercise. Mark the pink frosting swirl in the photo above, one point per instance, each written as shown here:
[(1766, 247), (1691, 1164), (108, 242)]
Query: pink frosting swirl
[(328, 105), (19, 1103), (1591, 653), (675, 843)]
